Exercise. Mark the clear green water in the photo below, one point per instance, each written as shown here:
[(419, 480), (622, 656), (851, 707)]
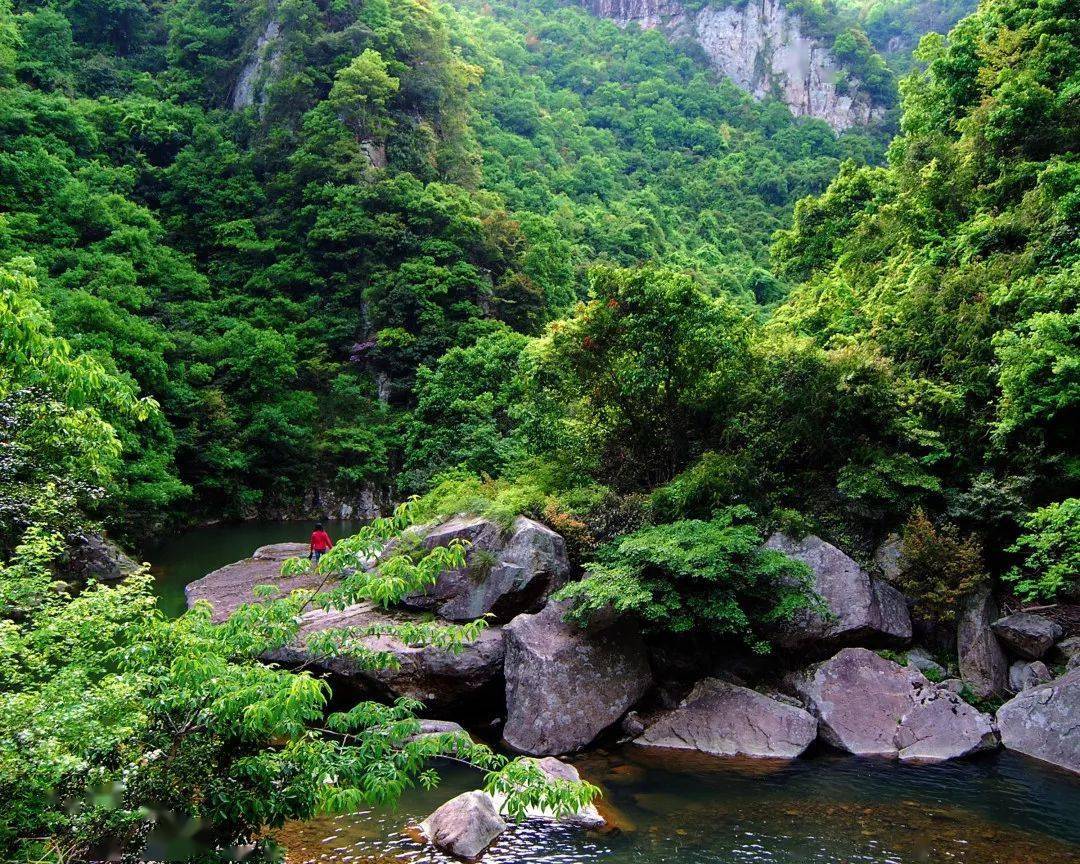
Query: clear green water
[(668, 806), (175, 561)]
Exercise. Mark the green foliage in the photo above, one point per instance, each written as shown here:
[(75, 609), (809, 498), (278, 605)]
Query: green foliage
[(1050, 545), (641, 373), (103, 693), (693, 575)]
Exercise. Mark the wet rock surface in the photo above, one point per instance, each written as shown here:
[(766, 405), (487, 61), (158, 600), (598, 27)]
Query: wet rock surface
[(565, 686), (870, 706), (1044, 722), (724, 719)]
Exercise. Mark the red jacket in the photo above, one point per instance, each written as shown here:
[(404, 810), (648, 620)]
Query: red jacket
[(320, 541)]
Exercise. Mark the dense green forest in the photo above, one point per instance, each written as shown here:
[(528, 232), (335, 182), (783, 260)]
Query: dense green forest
[(512, 259)]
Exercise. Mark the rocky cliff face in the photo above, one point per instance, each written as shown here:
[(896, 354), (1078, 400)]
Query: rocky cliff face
[(761, 47)]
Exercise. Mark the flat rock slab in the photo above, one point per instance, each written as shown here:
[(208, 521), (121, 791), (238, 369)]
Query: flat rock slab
[(465, 826), (437, 677), (1044, 722), (727, 720), (1027, 635), (229, 587), (564, 686), (870, 706), (864, 611)]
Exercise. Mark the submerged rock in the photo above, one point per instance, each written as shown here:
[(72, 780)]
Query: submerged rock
[(502, 576), (1024, 674), (1044, 722), (983, 666), (727, 720), (1027, 635), (464, 826), (870, 706), (565, 686), (863, 610), (439, 678), (230, 586)]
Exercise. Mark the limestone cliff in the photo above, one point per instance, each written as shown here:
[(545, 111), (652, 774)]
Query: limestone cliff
[(761, 47)]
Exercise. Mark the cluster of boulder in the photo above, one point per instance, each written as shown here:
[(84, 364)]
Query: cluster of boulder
[(559, 686)]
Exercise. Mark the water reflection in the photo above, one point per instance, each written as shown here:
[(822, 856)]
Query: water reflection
[(829, 809)]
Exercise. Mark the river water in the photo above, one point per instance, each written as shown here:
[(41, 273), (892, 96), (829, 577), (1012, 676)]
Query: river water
[(667, 806)]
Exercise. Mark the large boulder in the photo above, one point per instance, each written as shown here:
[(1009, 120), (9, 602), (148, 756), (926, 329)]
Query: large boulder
[(440, 678), (504, 574), (94, 556), (889, 559), (1044, 722), (465, 826), (565, 686), (1024, 674), (870, 706), (863, 611), (1027, 635), (983, 666), (234, 584), (727, 720)]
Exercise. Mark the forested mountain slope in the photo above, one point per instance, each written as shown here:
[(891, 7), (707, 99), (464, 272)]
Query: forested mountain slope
[(396, 180)]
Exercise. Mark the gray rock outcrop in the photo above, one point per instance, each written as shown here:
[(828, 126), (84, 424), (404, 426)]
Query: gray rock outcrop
[(863, 610), (438, 677), (727, 720), (889, 558), (1027, 635), (983, 666), (565, 686), (1024, 674), (870, 706), (761, 47), (262, 65), (1067, 651), (234, 584), (1044, 722), (464, 826), (94, 556), (502, 576)]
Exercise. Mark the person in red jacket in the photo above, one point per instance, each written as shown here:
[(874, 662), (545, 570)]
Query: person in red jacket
[(320, 544)]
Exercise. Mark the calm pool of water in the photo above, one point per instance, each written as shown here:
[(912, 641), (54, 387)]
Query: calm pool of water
[(668, 806), (190, 555), (827, 809)]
